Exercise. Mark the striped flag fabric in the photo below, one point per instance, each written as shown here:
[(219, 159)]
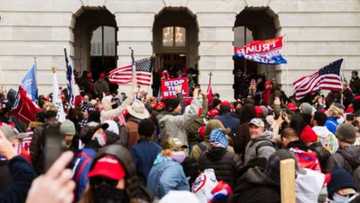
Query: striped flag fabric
[(70, 80), (327, 78), (123, 75)]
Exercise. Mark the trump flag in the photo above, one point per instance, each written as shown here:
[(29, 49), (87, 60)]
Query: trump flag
[(262, 51)]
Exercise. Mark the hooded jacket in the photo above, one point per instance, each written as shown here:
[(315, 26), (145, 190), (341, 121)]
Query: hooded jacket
[(255, 187), (261, 147), (165, 175), (222, 161), (175, 125)]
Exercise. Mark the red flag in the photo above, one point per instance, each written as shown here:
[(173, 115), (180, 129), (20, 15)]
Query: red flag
[(25, 110), (210, 96)]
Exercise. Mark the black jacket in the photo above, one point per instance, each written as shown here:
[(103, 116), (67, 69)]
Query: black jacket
[(255, 187), (222, 161), (22, 175)]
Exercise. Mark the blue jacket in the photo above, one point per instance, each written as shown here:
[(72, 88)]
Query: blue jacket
[(144, 153), (81, 167), (229, 121), (331, 124), (166, 175), (22, 175)]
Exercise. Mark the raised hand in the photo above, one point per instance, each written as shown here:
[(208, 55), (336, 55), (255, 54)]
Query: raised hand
[(56, 186)]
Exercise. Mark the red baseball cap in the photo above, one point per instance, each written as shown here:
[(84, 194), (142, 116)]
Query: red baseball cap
[(109, 167), (226, 103), (292, 107), (259, 111)]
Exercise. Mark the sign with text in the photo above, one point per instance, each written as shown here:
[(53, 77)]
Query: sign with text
[(262, 51), (168, 87)]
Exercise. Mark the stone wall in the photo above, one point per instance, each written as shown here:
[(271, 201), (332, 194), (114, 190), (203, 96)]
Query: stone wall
[(316, 33)]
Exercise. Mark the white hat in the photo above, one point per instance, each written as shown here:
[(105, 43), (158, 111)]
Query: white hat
[(111, 125), (138, 110), (257, 122)]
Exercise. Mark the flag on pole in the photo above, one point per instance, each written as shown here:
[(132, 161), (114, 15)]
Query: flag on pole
[(29, 83), (70, 80), (262, 51), (210, 96), (123, 75), (327, 78), (25, 109), (57, 98)]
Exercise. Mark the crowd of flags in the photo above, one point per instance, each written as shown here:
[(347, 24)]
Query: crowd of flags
[(140, 72)]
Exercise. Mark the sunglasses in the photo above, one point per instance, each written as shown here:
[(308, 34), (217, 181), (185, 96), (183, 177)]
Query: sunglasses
[(100, 181)]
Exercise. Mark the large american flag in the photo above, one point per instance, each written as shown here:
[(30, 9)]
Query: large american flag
[(123, 75), (327, 78)]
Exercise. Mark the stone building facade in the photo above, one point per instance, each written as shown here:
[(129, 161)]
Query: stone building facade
[(316, 32)]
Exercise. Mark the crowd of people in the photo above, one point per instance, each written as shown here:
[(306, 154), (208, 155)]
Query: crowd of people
[(138, 148)]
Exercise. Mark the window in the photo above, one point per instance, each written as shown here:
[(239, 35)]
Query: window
[(103, 41), (242, 36), (173, 36)]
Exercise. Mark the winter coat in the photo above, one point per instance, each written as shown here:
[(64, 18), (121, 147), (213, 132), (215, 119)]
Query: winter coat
[(229, 121), (38, 146), (144, 154), (255, 187), (355, 85), (261, 147), (348, 159), (22, 175), (100, 87), (222, 161), (322, 153), (133, 135), (165, 175), (175, 125)]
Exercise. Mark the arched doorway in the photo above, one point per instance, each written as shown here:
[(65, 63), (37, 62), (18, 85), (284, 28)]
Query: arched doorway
[(175, 44), (95, 41), (253, 23)]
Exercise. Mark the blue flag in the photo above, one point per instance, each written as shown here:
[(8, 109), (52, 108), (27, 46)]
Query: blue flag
[(29, 83), (70, 80)]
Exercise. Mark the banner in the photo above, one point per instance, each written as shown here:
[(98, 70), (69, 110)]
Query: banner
[(168, 87), (56, 100), (262, 51)]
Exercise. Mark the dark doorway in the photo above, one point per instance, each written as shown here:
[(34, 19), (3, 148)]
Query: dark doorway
[(253, 23), (175, 44), (95, 43)]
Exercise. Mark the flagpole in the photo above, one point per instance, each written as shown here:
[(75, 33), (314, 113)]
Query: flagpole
[(134, 82), (35, 76), (210, 74)]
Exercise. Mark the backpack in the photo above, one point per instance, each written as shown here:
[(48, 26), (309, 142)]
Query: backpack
[(258, 161)]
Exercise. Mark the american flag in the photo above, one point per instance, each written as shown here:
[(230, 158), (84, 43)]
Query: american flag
[(327, 78), (123, 75)]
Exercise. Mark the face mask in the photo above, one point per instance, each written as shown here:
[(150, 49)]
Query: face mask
[(178, 156), (105, 193), (340, 199)]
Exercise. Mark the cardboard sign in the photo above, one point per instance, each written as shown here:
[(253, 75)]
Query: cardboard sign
[(168, 87)]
